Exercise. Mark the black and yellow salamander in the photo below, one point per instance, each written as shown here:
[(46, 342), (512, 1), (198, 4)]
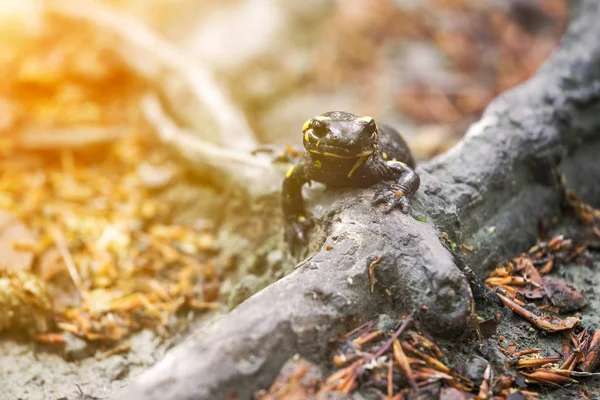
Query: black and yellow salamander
[(345, 150)]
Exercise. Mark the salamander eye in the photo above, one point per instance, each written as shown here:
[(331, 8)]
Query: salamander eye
[(318, 127), (371, 127)]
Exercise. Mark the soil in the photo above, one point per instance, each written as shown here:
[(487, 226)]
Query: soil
[(32, 372)]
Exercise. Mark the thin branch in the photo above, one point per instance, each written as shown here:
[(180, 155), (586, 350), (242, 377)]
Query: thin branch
[(156, 59)]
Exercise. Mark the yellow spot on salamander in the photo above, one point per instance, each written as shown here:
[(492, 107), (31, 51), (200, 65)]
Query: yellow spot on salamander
[(301, 218), (394, 162), (306, 137), (306, 125), (318, 164), (318, 143), (334, 155), (366, 119), (365, 153), (384, 156), (290, 171), (356, 165)]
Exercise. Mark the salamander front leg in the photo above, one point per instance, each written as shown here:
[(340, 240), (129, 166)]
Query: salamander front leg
[(296, 222), (398, 193)]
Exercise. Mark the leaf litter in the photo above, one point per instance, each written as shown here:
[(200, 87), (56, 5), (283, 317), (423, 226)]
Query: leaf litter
[(94, 251)]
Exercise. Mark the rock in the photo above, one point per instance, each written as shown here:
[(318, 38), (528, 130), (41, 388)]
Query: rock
[(489, 349), (385, 322), (564, 296), (475, 368), (76, 348)]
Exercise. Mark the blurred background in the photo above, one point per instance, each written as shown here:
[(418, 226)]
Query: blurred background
[(429, 67)]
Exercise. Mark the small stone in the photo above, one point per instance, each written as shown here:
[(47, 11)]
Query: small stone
[(451, 393), (475, 369), (385, 322), (490, 350), (76, 348), (516, 396), (116, 366), (566, 297), (298, 379)]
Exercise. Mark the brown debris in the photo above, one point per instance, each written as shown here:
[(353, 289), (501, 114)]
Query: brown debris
[(372, 272), (564, 296), (24, 301), (585, 212), (50, 338), (411, 357), (299, 379), (523, 287), (546, 322), (407, 364), (403, 363), (122, 348), (548, 377), (88, 244), (484, 388), (534, 362), (592, 358)]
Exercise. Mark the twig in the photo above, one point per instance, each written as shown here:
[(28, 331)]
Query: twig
[(156, 59), (372, 272), (254, 174), (404, 364), (390, 386), (405, 324), (63, 249)]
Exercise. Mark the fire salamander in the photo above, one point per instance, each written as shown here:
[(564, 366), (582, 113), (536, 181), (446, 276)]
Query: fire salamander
[(345, 150)]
